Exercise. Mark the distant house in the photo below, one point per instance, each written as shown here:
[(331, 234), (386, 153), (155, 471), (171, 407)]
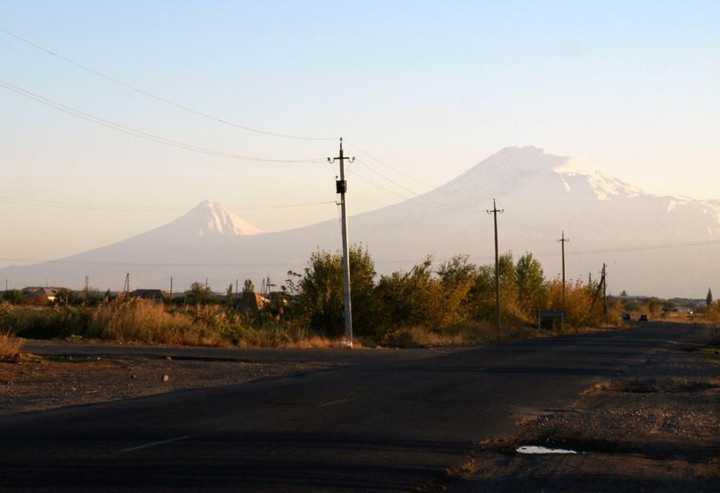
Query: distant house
[(150, 294), (41, 294), (252, 301)]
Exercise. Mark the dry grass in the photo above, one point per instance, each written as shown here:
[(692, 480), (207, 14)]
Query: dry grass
[(146, 321), (318, 343), (9, 346), (206, 325), (460, 335), (153, 322)]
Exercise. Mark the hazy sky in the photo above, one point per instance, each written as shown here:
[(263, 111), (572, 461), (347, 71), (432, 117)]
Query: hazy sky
[(420, 90)]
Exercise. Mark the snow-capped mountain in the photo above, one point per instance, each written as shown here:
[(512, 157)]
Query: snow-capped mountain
[(665, 246), (209, 219)]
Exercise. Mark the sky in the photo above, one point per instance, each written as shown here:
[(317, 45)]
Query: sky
[(119, 116)]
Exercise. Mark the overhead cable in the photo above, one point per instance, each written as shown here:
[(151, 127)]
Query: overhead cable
[(159, 98), (413, 194), (396, 170), (141, 134), (112, 207), (377, 261)]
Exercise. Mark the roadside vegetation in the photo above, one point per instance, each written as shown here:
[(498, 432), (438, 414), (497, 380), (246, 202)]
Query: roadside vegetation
[(427, 305), (9, 346)]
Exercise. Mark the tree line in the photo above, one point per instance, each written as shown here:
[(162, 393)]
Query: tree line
[(452, 295), (451, 302)]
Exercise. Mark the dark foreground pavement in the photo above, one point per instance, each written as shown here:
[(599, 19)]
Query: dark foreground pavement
[(385, 423)]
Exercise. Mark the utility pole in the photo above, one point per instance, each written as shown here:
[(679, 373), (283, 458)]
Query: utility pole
[(341, 188), (126, 288), (562, 241), (171, 286), (604, 286), (495, 212)]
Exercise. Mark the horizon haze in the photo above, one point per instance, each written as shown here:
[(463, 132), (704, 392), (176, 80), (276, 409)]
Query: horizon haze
[(652, 245)]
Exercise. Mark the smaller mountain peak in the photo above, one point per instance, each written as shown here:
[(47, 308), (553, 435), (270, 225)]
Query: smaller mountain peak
[(208, 205), (211, 218)]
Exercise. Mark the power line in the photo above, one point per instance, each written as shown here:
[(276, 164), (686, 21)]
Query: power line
[(153, 264), (413, 194), (377, 261), (407, 175), (432, 188), (648, 247), (159, 98), (141, 134), (124, 208)]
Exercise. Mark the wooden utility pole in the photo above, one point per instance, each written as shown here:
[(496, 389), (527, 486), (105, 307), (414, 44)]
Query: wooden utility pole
[(341, 188), (562, 242), (495, 212), (604, 288)]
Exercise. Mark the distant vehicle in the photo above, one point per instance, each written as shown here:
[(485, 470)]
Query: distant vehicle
[(626, 316), (643, 318)]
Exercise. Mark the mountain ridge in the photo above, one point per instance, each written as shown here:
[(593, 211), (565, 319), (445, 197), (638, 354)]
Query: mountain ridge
[(607, 220)]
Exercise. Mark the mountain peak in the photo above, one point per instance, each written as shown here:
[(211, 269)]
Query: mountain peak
[(503, 171), (210, 218), (526, 159)]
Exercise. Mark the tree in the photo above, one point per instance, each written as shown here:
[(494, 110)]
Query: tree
[(248, 286), (709, 297), (321, 291), (229, 298), (14, 296), (481, 298), (199, 294), (457, 277), (408, 298), (362, 292), (530, 284)]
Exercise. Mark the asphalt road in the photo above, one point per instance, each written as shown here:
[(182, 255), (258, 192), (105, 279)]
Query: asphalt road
[(389, 421)]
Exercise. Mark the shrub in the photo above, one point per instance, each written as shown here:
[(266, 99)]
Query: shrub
[(9, 346)]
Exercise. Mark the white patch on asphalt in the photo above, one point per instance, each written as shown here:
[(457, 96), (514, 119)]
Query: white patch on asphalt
[(534, 449), (154, 444), (331, 403)]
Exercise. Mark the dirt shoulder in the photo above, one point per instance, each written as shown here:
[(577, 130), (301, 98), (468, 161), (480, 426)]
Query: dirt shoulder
[(35, 383), (656, 428)]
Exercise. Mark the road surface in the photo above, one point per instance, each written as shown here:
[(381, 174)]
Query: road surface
[(386, 422)]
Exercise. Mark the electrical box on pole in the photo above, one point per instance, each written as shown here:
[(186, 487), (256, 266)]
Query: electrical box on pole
[(341, 189)]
